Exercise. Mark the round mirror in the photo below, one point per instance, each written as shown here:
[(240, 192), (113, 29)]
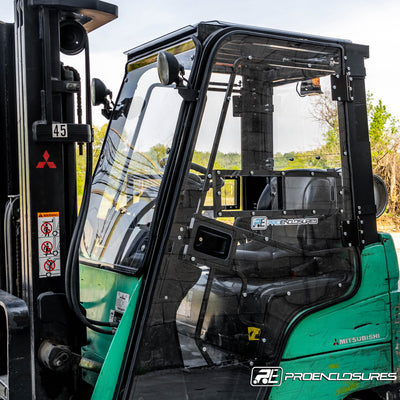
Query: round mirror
[(168, 68), (99, 92), (381, 195)]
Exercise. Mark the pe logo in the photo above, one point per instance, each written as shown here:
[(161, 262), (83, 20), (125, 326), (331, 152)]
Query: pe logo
[(259, 223), (266, 376)]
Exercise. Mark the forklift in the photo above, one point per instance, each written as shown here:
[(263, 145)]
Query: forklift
[(222, 249)]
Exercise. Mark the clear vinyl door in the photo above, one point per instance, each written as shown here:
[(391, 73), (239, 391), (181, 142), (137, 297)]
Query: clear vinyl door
[(257, 234)]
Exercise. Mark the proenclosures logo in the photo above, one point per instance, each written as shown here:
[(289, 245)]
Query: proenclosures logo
[(274, 376)]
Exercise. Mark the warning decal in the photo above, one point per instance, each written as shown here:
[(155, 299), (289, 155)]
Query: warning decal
[(49, 244), (253, 332)]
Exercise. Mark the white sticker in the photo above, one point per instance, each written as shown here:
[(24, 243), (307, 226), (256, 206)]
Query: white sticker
[(49, 244), (59, 130), (121, 302)]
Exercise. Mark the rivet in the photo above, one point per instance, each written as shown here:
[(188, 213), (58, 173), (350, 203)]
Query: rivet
[(204, 349), (339, 284), (250, 58), (334, 87), (251, 172), (288, 293), (209, 176), (193, 259), (165, 297), (266, 238), (284, 212), (345, 153), (244, 294), (264, 340), (339, 99), (314, 212), (181, 228), (345, 57), (219, 214), (253, 213), (179, 237)]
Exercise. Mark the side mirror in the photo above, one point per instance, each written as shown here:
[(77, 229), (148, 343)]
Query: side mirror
[(169, 69), (99, 94), (380, 194), (310, 87)]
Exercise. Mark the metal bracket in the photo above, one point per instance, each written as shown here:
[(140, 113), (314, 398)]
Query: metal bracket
[(188, 94), (342, 89), (66, 86), (351, 233), (72, 133)]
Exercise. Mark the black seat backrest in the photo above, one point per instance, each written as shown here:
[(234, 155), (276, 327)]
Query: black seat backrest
[(319, 195)]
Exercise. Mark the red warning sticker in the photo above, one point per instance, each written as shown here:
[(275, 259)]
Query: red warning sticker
[(49, 244)]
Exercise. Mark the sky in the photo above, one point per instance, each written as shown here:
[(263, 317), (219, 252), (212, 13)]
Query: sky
[(362, 21)]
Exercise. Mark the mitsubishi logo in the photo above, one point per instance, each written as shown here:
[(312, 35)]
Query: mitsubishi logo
[(42, 164), (336, 343)]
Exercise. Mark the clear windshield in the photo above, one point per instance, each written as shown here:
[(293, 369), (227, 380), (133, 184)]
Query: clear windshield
[(131, 166)]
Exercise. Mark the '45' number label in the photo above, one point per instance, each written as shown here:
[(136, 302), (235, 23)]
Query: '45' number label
[(60, 130)]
